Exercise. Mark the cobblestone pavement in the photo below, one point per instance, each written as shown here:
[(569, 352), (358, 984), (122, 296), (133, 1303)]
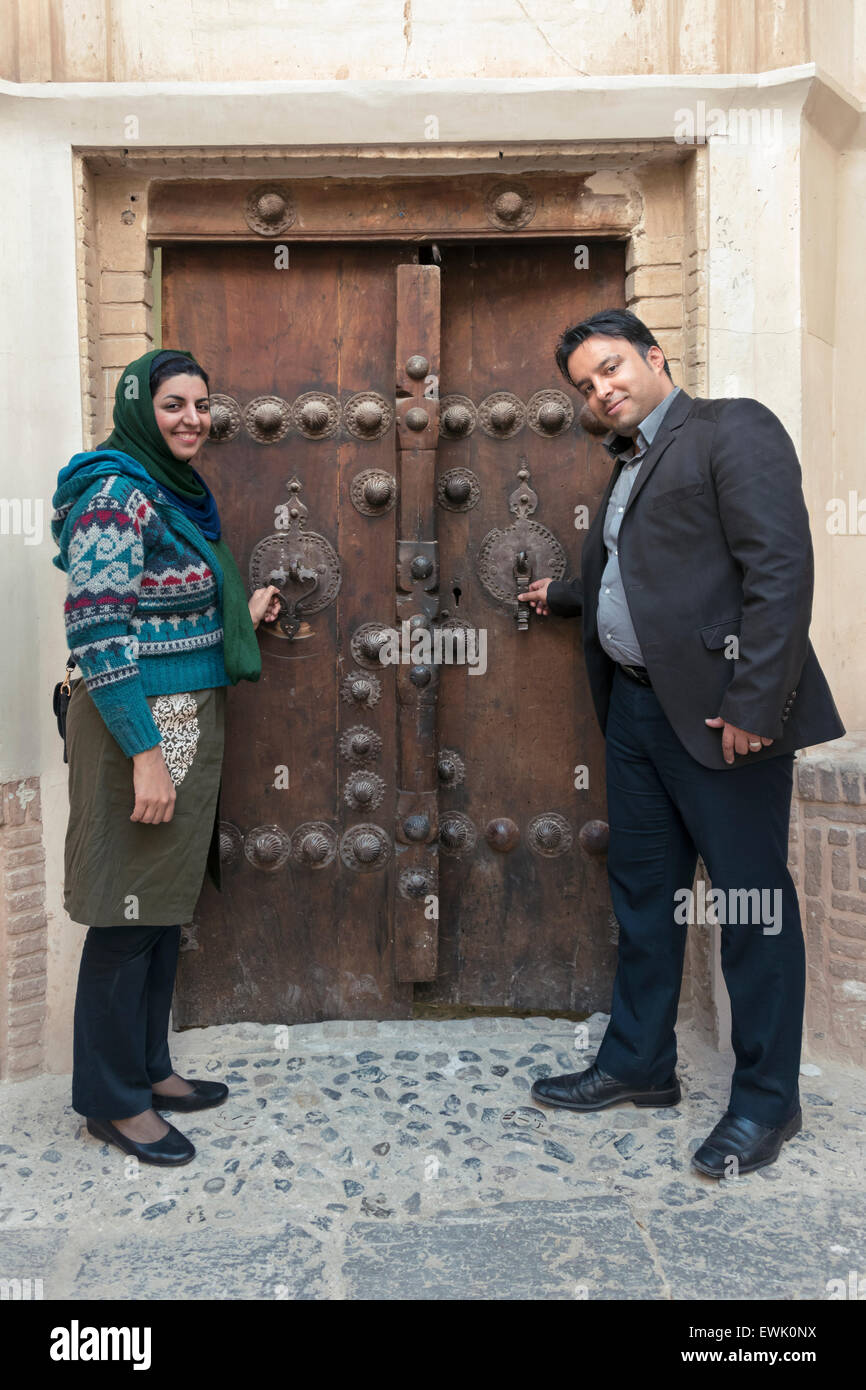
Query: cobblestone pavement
[(404, 1160)]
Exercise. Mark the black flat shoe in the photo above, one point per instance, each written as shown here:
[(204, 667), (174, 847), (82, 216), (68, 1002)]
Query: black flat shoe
[(593, 1089), (170, 1151), (206, 1093), (750, 1144)]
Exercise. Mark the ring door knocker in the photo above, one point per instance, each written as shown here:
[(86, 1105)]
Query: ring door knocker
[(523, 579), (298, 558), (289, 619), (507, 560)]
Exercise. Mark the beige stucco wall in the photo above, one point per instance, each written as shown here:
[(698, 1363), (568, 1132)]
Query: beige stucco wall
[(255, 40), (782, 295), (843, 557)]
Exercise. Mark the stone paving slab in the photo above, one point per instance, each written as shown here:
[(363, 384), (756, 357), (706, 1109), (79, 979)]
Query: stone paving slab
[(405, 1160)]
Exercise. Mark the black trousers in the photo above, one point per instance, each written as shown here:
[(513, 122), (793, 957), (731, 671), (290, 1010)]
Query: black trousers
[(664, 809), (122, 1007)]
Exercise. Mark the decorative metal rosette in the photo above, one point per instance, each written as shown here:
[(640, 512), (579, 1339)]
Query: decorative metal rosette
[(549, 413), (361, 688), (510, 206), (455, 625), (267, 847), (373, 492), (313, 845), (364, 790), (458, 489), (450, 767), (367, 641), (549, 834), (502, 414), (458, 648), (269, 210), (231, 843), (415, 828), (316, 415), (367, 415), (457, 416), (267, 418), (365, 848), (360, 744), (225, 418), (457, 834)]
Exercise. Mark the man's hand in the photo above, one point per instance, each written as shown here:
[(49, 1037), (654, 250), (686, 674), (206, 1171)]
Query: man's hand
[(736, 740), (536, 596), (154, 790)]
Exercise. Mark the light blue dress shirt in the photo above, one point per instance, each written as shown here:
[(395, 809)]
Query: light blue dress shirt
[(615, 628)]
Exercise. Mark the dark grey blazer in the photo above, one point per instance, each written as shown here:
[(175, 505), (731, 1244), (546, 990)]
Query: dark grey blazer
[(714, 542)]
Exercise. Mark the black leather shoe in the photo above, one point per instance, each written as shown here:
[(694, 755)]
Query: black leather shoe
[(593, 1089), (170, 1151), (206, 1093), (752, 1145)]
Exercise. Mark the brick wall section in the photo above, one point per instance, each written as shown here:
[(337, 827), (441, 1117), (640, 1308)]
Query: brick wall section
[(125, 304), (23, 931), (115, 291), (653, 291), (695, 254), (829, 861), (88, 277)]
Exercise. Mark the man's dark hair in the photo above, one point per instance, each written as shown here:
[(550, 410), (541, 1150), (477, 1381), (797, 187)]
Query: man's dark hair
[(609, 323), (170, 363)]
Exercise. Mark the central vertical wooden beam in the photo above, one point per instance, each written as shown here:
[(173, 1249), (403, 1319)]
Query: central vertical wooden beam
[(417, 606)]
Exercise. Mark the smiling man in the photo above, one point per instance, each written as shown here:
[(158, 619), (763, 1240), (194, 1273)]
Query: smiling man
[(696, 592)]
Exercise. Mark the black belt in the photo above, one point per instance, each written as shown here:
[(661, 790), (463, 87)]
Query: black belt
[(639, 674)]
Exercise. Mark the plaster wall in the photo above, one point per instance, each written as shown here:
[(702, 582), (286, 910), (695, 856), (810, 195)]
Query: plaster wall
[(254, 40)]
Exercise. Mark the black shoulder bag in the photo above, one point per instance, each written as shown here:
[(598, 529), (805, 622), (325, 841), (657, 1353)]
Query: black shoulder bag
[(62, 695)]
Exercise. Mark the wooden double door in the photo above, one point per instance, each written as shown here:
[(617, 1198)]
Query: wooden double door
[(413, 794)]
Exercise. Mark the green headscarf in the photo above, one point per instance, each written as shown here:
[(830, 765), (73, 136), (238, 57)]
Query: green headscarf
[(136, 433)]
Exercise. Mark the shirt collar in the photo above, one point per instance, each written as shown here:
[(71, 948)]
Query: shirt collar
[(617, 444)]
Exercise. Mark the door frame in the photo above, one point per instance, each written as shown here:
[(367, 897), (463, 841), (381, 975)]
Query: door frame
[(653, 195)]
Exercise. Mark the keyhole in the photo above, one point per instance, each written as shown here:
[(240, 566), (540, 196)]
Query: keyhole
[(456, 591)]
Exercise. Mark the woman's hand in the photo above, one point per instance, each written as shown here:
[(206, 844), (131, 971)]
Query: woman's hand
[(154, 790), (265, 605)]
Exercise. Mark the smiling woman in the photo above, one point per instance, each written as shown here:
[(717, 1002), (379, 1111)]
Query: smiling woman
[(158, 619), (181, 409)]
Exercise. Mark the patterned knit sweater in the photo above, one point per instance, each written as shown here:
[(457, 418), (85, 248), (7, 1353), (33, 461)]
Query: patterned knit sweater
[(143, 608)]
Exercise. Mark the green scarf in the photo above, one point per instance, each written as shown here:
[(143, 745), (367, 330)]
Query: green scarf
[(136, 433)]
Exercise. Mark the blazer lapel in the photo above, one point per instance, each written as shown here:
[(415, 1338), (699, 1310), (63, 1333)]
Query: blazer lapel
[(676, 415)]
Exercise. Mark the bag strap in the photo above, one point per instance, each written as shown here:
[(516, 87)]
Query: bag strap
[(71, 663)]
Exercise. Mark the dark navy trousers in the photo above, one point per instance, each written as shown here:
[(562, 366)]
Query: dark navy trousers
[(122, 1008), (665, 808)]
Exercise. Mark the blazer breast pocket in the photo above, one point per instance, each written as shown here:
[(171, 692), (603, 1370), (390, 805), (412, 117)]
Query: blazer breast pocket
[(677, 494)]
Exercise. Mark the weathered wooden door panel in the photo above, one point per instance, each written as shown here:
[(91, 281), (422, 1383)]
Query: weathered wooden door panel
[(294, 936), (524, 907), (324, 481)]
